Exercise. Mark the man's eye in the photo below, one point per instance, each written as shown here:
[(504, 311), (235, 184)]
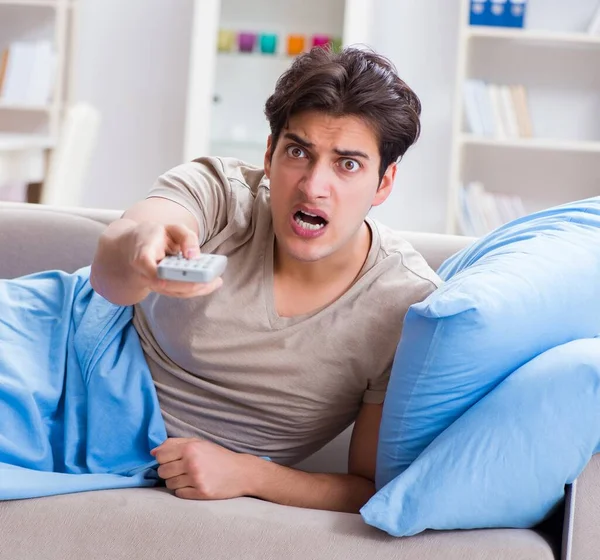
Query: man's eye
[(350, 165), (296, 152)]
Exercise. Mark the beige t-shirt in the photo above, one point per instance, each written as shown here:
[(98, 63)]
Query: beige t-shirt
[(228, 369)]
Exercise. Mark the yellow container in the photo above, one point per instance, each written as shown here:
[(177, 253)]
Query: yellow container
[(226, 40)]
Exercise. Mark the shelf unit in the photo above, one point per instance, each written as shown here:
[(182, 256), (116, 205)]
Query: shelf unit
[(544, 144), (227, 90), (30, 20), (38, 3), (266, 58), (561, 71), (531, 36), (24, 142), (25, 107)]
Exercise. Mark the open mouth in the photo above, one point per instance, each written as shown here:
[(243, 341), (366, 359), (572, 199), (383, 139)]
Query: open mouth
[(309, 221)]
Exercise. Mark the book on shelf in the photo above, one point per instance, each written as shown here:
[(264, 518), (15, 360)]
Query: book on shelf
[(508, 112), (498, 13), (521, 105), (594, 25), (497, 111), (3, 65), (480, 211), (27, 70), (500, 124)]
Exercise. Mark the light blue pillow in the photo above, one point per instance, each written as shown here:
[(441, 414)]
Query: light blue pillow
[(505, 462), (527, 287)]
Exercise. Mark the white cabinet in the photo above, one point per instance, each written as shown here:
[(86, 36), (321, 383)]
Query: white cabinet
[(559, 66), (35, 60), (227, 90)]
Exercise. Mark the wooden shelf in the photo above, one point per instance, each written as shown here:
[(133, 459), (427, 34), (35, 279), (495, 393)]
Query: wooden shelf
[(543, 144), (35, 3), (20, 142), (25, 108), (255, 55), (239, 144), (533, 36)]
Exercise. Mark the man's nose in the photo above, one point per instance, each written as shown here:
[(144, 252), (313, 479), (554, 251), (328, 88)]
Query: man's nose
[(317, 182)]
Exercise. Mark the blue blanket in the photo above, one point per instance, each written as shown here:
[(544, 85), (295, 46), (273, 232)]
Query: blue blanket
[(78, 408)]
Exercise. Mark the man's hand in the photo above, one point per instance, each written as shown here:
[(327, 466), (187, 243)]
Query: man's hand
[(201, 470), (129, 250), (150, 243)]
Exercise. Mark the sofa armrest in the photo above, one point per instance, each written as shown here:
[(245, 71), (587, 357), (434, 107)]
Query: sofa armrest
[(581, 540)]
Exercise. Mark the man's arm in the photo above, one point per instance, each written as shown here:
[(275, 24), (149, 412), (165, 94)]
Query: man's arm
[(198, 469), (124, 266), (335, 492)]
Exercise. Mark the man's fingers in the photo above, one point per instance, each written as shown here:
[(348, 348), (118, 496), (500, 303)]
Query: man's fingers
[(188, 493), (145, 265), (171, 470), (168, 455), (170, 450), (185, 239), (173, 288), (177, 482)]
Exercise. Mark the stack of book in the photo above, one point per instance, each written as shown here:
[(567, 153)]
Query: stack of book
[(480, 211), (498, 111), (27, 72)]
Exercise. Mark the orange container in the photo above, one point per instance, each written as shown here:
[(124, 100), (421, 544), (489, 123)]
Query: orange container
[(295, 44)]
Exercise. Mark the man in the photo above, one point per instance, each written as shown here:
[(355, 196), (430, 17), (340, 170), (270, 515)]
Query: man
[(297, 339)]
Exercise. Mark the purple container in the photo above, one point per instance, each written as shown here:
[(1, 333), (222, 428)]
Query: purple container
[(246, 42), (321, 40)]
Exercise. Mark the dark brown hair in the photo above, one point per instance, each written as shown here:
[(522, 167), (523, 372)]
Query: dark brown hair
[(352, 82)]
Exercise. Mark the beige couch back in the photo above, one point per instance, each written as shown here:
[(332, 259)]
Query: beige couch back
[(35, 238)]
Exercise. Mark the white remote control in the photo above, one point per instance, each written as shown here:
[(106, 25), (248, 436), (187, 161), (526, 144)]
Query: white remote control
[(203, 269)]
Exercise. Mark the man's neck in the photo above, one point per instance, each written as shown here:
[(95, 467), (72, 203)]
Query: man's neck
[(345, 263)]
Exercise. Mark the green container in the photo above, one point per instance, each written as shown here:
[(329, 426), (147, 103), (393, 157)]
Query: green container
[(268, 43)]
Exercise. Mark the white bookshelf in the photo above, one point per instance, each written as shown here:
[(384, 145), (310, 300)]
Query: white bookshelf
[(38, 3), (227, 90), (28, 21), (531, 36), (24, 142), (561, 73), (26, 107), (542, 144)]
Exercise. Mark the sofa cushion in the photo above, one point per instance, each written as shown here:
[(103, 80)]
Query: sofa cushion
[(525, 288), (153, 524)]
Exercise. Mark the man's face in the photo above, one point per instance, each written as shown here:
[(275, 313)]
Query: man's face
[(324, 177)]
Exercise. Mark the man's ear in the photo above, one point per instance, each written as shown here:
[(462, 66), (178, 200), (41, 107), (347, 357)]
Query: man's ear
[(386, 185), (267, 162)]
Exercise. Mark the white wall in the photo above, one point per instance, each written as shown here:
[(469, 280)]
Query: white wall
[(421, 39), (132, 64)]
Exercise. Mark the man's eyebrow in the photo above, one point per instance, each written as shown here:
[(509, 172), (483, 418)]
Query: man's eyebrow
[(307, 144), (299, 140), (351, 153)]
